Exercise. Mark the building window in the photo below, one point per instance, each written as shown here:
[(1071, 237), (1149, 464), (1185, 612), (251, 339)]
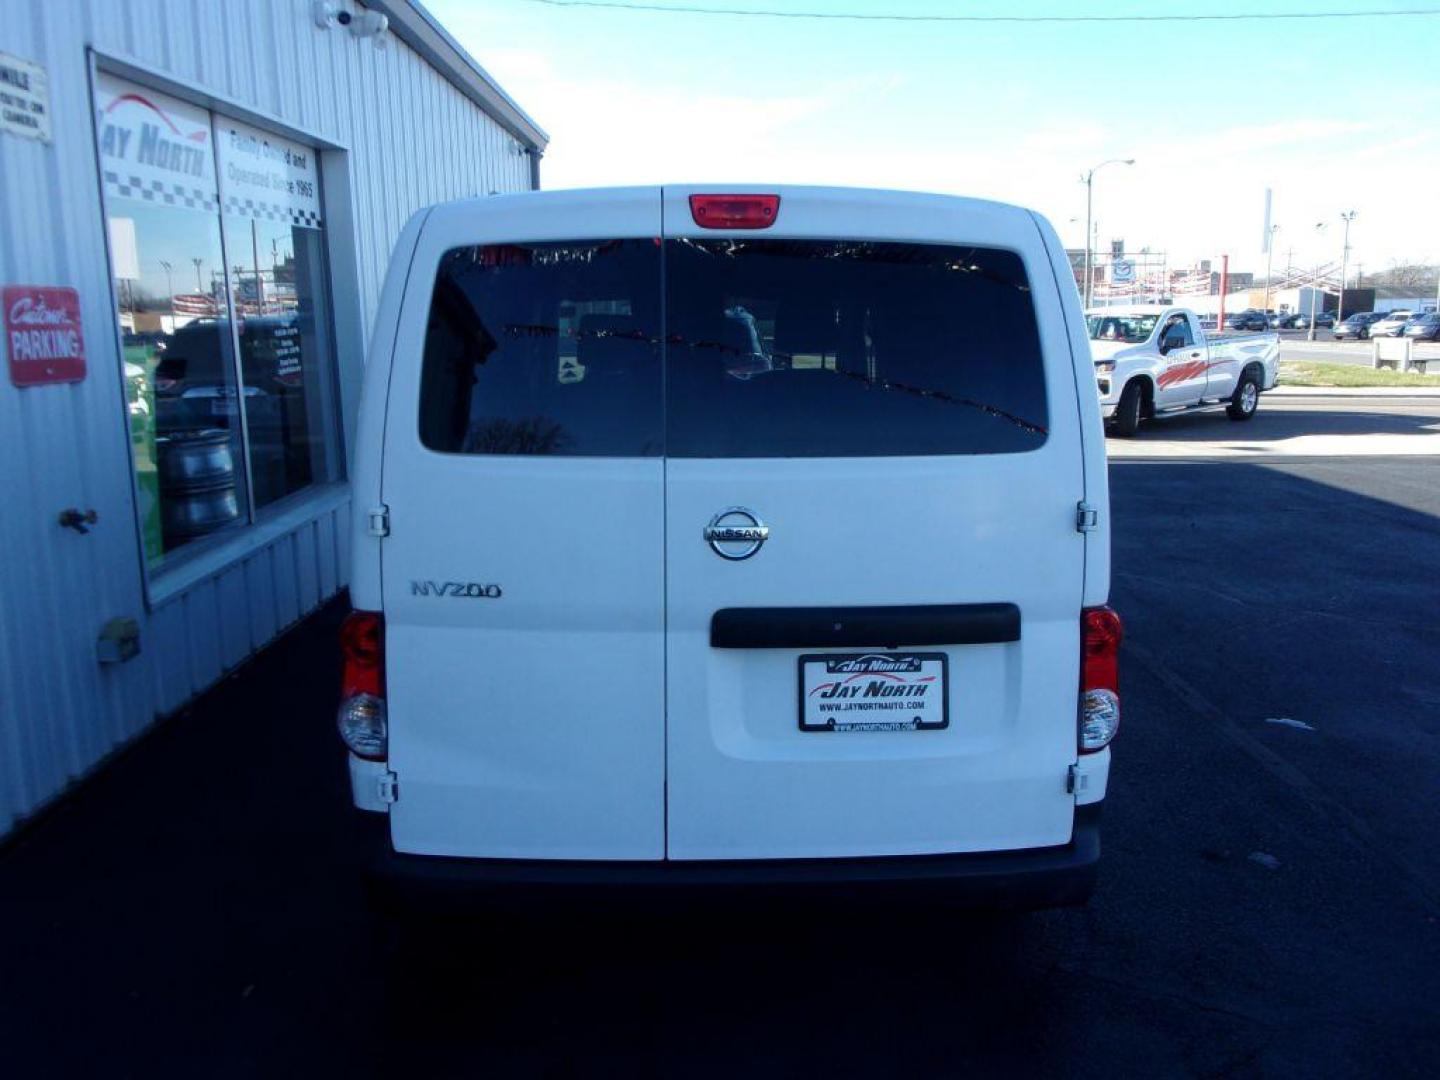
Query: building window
[(217, 249)]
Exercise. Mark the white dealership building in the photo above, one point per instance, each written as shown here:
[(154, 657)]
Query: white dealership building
[(197, 208)]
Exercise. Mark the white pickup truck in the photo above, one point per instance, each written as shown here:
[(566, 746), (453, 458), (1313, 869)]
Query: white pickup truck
[(1152, 360)]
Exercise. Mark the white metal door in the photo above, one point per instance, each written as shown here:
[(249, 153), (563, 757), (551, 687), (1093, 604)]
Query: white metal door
[(848, 535), (1183, 375), (523, 591)]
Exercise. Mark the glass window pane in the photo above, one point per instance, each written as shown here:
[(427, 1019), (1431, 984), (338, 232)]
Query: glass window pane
[(791, 348), (278, 284), (161, 208), (545, 349), (275, 245)]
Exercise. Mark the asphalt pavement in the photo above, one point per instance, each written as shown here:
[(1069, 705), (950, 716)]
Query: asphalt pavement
[(1310, 424), (1269, 903)]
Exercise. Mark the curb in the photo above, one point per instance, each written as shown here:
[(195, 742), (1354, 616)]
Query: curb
[(1354, 391)]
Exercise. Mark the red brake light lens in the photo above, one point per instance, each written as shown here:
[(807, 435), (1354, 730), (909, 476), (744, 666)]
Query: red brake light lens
[(1101, 634), (734, 211), (1100, 637), (362, 644)]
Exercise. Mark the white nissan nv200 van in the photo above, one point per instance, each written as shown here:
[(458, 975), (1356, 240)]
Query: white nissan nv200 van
[(731, 538)]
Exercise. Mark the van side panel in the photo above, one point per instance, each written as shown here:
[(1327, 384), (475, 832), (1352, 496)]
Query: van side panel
[(370, 426)]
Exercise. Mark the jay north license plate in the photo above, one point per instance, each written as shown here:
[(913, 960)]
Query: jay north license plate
[(874, 692)]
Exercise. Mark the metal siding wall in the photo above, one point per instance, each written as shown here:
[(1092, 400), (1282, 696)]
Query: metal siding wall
[(412, 139)]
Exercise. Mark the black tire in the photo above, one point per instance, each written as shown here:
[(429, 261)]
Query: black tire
[(1127, 413), (1246, 398)]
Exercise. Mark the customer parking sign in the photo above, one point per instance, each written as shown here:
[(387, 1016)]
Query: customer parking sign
[(42, 334)]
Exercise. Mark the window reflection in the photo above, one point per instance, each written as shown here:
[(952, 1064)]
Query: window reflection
[(180, 384), (278, 291), (226, 344)]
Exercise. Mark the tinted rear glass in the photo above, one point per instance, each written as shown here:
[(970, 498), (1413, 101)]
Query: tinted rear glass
[(771, 348), (545, 349), (798, 348)]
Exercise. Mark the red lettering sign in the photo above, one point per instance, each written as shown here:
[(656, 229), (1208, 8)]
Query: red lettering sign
[(42, 334)]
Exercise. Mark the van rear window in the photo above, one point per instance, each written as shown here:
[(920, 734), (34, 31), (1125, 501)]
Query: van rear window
[(804, 348), (545, 349), (769, 348)]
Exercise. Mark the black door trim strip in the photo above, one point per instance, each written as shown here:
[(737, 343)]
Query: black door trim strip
[(888, 627)]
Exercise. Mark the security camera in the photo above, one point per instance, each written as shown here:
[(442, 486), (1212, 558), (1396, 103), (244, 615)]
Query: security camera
[(361, 24)]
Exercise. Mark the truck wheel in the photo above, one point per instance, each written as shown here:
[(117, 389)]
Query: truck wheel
[(1245, 399), (1127, 412)]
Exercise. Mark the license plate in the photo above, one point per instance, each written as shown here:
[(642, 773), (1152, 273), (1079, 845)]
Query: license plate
[(874, 692)]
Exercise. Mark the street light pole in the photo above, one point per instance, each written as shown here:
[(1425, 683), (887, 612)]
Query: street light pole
[(1347, 217), (1089, 181), (169, 292), (1315, 288), (1269, 255)]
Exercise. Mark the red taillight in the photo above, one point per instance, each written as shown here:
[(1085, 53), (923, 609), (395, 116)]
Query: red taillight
[(1101, 634), (362, 645), (1100, 637), (363, 718), (734, 211)]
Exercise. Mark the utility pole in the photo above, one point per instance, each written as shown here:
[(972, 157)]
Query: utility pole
[(1224, 288), (1269, 254), (1089, 181), (1315, 289), (1348, 216)]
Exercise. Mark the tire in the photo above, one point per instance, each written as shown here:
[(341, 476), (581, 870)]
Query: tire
[(1246, 398), (1127, 413)]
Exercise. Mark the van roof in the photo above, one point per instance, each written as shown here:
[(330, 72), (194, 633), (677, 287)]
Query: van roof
[(891, 196)]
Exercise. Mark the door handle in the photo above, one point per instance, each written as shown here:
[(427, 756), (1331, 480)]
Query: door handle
[(890, 627), (1194, 356)]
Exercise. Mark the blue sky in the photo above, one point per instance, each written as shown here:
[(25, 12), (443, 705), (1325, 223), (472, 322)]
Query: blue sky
[(1332, 114)]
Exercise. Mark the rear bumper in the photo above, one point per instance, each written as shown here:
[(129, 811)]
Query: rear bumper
[(1036, 878)]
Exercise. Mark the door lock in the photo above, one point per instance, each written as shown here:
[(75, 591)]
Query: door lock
[(77, 519)]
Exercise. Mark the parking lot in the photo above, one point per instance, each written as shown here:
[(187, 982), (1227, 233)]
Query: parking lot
[(1268, 902)]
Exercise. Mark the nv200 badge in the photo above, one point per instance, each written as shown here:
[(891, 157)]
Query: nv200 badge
[(473, 590)]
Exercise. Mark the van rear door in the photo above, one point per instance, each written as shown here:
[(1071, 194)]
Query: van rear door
[(522, 577), (872, 567)]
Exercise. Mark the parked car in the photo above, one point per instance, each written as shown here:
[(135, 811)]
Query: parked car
[(1356, 326), (1247, 320), (760, 678), (1424, 327), (1163, 362), (1392, 324), (1322, 319), (1283, 320)]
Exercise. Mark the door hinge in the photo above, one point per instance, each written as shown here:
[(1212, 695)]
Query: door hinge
[(1076, 781), (378, 521), (388, 788), (1087, 518)]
